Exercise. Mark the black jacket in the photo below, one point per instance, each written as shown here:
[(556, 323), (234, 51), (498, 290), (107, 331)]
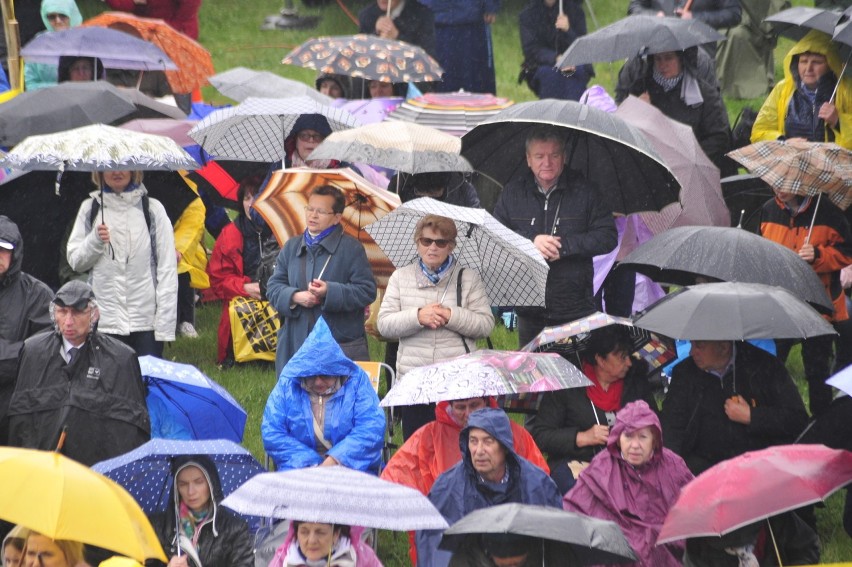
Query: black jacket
[(100, 397), (694, 422), (540, 40), (587, 230), (715, 13), (416, 24)]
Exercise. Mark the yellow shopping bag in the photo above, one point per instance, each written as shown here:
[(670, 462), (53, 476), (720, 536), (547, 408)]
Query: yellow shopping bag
[(254, 329)]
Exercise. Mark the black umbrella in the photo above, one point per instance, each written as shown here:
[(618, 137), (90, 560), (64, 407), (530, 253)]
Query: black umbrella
[(796, 22), (629, 173), (147, 107), (568, 538), (745, 195), (678, 255), (638, 35), (733, 311)]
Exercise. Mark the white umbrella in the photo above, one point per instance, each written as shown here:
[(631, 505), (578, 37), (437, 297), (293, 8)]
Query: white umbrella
[(241, 83), (335, 495)]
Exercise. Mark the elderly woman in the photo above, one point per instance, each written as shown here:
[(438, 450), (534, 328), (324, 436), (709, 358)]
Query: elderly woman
[(574, 424), (633, 483), (328, 545), (41, 551), (435, 308)]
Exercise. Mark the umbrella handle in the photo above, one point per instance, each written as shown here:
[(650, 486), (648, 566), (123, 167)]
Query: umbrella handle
[(561, 8), (813, 219), (840, 78), (774, 543)]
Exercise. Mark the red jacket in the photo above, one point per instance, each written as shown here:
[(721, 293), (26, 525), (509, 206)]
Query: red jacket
[(226, 279), (180, 14)]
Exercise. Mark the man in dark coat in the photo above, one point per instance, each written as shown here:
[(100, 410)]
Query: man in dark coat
[(409, 21), (490, 473), (567, 221), (24, 302), (76, 380), (726, 399)]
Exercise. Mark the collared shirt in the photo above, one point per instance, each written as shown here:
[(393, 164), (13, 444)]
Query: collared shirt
[(66, 346), (728, 366)]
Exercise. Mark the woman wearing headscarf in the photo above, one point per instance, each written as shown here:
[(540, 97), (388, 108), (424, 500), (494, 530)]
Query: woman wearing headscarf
[(57, 15)]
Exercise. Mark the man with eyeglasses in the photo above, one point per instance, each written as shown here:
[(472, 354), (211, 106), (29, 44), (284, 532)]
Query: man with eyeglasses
[(78, 390), (322, 272)]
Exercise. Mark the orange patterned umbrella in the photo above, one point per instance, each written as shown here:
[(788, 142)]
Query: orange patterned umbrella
[(193, 61), (283, 201)]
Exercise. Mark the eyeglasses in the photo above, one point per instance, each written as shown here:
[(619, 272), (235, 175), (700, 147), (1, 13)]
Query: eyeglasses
[(64, 312), (310, 210), (427, 242), (306, 137), (56, 16)]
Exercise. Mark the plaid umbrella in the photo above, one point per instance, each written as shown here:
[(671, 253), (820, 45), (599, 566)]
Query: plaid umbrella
[(241, 83), (453, 113), (367, 57), (255, 129), (194, 63), (513, 270)]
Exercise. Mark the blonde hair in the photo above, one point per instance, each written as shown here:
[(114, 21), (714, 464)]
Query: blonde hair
[(98, 178), (72, 550)]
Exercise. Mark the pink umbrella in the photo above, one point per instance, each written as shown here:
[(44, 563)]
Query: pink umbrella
[(168, 127)]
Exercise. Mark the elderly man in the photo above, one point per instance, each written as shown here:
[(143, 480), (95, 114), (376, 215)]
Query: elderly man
[(489, 473), (76, 381), (24, 304), (567, 221), (728, 398)]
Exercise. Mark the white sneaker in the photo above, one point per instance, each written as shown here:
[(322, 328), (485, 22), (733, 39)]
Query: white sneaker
[(187, 330)]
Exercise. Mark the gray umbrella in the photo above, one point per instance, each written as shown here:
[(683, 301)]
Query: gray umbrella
[(241, 83), (733, 311), (637, 35), (581, 539), (678, 255), (796, 22)]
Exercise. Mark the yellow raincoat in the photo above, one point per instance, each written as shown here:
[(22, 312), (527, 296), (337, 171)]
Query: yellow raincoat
[(189, 232)]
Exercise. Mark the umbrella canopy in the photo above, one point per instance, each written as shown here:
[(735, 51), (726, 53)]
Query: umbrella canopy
[(512, 269), (485, 373), (371, 110), (396, 145), (61, 107), (453, 113), (745, 195), (589, 540), (176, 129), (191, 401), (797, 21), (221, 179), (630, 174), (255, 129), (801, 167), (842, 380), (62, 499), (754, 486), (843, 32), (367, 57), (733, 312), (282, 204), (147, 107), (98, 148), (637, 36), (701, 196), (194, 63), (336, 495), (115, 49), (241, 83)]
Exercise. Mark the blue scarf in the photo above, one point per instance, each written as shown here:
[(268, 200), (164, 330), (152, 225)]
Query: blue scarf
[(435, 276), (314, 240)]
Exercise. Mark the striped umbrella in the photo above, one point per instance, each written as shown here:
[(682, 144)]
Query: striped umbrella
[(454, 113)]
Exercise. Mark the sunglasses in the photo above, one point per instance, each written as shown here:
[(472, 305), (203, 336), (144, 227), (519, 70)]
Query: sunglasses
[(427, 242)]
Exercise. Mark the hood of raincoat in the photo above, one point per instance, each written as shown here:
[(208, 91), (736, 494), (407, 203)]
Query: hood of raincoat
[(208, 467), (9, 232), (320, 355), (633, 416), (814, 42), (66, 7), (316, 122), (496, 423)]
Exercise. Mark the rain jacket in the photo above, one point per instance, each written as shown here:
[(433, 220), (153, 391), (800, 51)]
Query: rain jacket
[(353, 422), (351, 288), (636, 498), (540, 40), (222, 542), (130, 296), (180, 14), (694, 422), (831, 238), (587, 230), (364, 554), (100, 397), (41, 75), (24, 304), (770, 122), (189, 232), (459, 491), (416, 24)]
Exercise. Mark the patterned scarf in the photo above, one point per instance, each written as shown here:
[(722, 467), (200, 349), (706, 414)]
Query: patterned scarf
[(314, 240), (191, 521), (435, 276), (606, 400), (666, 84)]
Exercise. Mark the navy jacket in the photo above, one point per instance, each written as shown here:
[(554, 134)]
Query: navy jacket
[(540, 40), (416, 24)]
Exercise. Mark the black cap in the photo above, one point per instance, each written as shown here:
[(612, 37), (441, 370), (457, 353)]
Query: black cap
[(74, 294)]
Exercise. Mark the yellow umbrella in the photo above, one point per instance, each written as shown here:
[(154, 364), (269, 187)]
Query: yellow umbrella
[(62, 499)]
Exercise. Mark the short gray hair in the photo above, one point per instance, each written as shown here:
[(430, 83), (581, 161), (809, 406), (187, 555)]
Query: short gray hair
[(545, 134)]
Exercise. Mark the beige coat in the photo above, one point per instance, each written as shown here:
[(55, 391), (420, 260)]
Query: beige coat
[(419, 345)]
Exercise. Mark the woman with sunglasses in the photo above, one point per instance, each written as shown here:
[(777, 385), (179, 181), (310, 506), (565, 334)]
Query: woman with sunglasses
[(434, 307)]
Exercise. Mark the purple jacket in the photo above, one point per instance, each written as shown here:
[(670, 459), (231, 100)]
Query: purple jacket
[(637, 499), (366, 555)]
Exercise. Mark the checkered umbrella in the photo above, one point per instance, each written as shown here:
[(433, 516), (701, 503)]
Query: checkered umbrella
[(513, 270), (255, 129)]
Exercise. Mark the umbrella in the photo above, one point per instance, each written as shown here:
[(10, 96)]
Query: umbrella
[(62, 107), (842, 380), (630, 174), (733, 312), (336, 495), (62, 499), (241, 83), (115, 49), (396, 145), (745, 195), (485, 373), (146, 472), (453, 113), (176, 129), (797, 21), (147, 107), (587, 540), (513, 270), (366, 57), (371, 110), (637, 36), (221, 179), (194, 63), (282, 205), (755, 486), (701, 196), (255, 129), (194, 402), (678, 255)]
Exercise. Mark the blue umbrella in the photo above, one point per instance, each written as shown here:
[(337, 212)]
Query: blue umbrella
[(186, 404)]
